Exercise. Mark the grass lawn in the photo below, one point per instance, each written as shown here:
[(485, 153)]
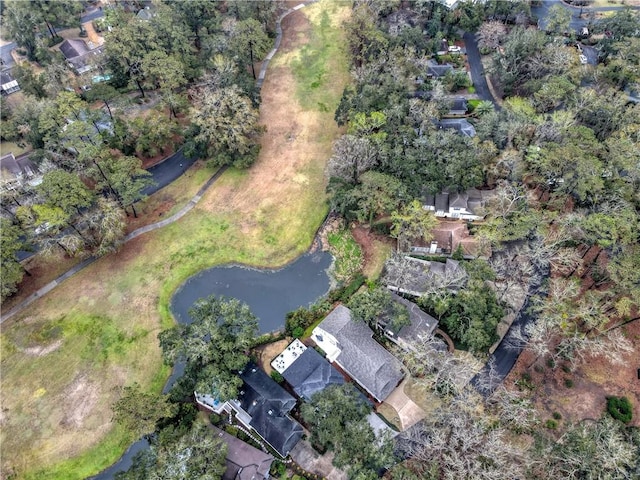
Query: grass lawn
[(11, 147), (66, 358)]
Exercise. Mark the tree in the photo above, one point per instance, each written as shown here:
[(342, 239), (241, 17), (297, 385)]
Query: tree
[(352, 156), (377, 194), (121, 175), (375, 306), (162, 71), (558, 19), (196, 454), (491, 34), (66, 191), (10, 245), (228, 125), (214, 346), (412, 222), (105, 92), (19, 21), (139, 411), (249, 42), (151, 134), (107, 224)]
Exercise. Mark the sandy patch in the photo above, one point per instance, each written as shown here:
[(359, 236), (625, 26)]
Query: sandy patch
[(79, 400), (42, 350), (266, 353)]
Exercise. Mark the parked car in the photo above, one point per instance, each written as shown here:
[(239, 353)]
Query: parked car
[(583, 59), (454, 49)]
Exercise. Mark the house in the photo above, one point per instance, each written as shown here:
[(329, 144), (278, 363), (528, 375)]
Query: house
[(268, 405), (243, 461), (434, 70), (467, 205), (262, 406), (421, 324), (80, 56), (16, 171), (9, 84), (460, 125), (458, 106), (350, 344), (417, 277), (306, 370)]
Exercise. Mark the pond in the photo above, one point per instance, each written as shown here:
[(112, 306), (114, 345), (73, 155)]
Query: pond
[(270, 294)]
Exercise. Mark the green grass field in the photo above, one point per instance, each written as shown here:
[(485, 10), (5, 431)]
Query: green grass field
[(66, 358)]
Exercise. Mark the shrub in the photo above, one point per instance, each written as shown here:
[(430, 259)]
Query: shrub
[(557, 416), (539, 368), (231, 430), (620, 408), (568, 383), (551, 363), (471, 89), (551, 424), (278, 469), (277, 377), (298, 332), (215, 419)]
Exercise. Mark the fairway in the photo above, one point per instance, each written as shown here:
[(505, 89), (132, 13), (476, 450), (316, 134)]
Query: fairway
[(66, 358)]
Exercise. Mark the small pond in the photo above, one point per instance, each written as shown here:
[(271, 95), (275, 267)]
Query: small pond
[(270, 294)]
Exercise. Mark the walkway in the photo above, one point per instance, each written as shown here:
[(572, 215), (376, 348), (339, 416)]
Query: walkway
[(276, 45)]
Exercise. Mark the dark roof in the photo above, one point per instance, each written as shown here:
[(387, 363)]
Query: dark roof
[(461, 125), (421, 322), (364, 359), (459, 105), (311, 373), (13, 167), (5, 77), (268, 404), (73, 47), (458, 200), (243, 461), (439, 70), (442, 202)]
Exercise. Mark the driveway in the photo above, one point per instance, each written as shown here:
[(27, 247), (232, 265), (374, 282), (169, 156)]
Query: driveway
[(542, 12), (167, 171), (408, 412), (477, 70)]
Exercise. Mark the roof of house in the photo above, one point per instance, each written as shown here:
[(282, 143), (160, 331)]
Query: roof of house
[(5, 78), (442, 202), (461, 125), (459, 104), (244, 462), (364, 359), (268, 404), (421, 322), (74, 47), (458, 200), (439, 70), (13, 168), (311, 373)]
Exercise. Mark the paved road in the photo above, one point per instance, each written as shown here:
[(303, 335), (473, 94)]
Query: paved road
[(542, 12), (477, 70), (5, 54), (167, 171)]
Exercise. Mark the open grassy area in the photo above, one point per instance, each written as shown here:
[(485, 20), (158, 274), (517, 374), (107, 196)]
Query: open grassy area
[(66, 358), (11, 147)]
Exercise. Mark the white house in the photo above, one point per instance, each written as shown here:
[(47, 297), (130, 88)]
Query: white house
[(467, 205)]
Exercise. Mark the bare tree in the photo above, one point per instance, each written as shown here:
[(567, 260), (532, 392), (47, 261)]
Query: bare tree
[(352, 156), (491, 34)]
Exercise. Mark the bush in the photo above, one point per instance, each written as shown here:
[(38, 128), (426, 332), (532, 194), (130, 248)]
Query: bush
[(215, 419), (231, 430), (620, 408), (557, 416), (298, 332), (278, 469), (277, 377), (568, 383), (551, 424)]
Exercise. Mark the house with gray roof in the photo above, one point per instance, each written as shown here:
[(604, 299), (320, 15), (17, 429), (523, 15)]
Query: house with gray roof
[(469, 205), (80, 55), (350, 344), (460, 125), (16, 171), (8, 84), (458, 106), (262, 406), (438, 71), (243, 461), (306, 370), (421, 324)]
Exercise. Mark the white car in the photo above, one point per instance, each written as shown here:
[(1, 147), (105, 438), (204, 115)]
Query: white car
[(583, 59), (454, 49)]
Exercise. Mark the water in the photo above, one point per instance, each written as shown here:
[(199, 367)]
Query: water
[(270, 294)]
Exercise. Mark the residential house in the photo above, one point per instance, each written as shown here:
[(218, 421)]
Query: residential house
[(243, 461), (434, 70), (421, 276), (467, 205), (262, 406), (421, 324), (460, 125), (80, 56), (17, 171), (350, 344), (305, 370), (458, 106), (446, 238), (8, 84)]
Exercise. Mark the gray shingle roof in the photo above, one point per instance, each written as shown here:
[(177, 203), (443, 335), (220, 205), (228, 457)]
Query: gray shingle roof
[(364, 359), (243, 461), (442, 202), (461, 125), (421, 322), (311, 373), (72, 48), (269, 404)]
